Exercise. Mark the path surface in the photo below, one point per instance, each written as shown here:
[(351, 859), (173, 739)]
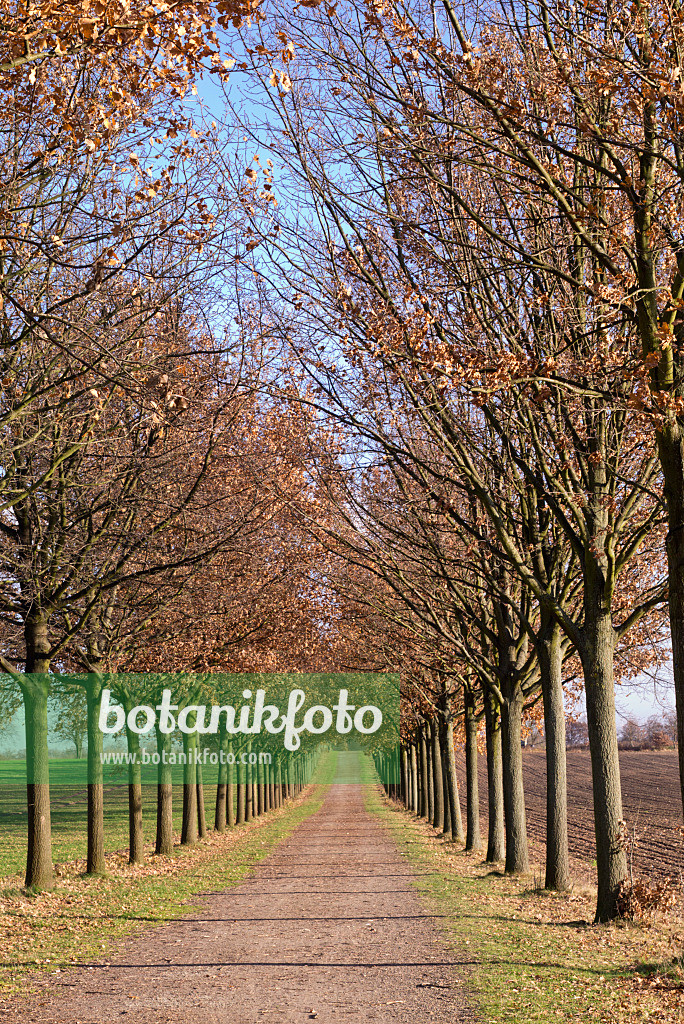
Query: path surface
[(329, 928)]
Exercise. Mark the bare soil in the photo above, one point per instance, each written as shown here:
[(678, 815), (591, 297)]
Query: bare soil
[(329, 927), (651, 806)]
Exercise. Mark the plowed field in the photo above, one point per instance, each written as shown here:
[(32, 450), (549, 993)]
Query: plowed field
[(651, 802)]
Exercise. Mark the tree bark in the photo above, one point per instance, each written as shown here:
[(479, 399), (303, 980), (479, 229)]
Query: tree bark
[(414, 779), (189, 827), (496, 831), (230, 789), (39, 869), (201, 809), (221, 810), (249, 793), (456, 820), (671, 451), (473, 837), (259, 776), (279, 783), (445, 788), (437, 777), (95, 858), (424, 782), (597, 661), (136, 854), (517, 856), (164, 838), (430, 773), (35, 689), (241, 796), (549, 654)]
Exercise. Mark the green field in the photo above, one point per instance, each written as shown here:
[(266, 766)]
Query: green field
[(68, 799)]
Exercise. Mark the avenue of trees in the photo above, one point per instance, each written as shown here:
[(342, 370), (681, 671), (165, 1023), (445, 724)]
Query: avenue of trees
[(376, 364)]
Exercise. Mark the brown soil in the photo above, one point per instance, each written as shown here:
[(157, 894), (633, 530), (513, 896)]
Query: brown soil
[(329, 927), (651, 804)]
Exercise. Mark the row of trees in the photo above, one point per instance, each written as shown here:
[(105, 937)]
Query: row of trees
[(657, 733), (147, 478), (475, 269), (436, 425)]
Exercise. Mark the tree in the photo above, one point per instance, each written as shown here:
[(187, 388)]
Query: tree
[(415, 289), (577, 733), (670, 726), (72, 718), (583, 110), (656, 733), (632, 736), (414, 266)]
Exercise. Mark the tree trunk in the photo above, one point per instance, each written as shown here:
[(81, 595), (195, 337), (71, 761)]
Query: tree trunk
[(550, 658), (414, 779), (220, 808), (278, 784), (406, 761), (136, 853), (473, 837), (517, 856), (259, 794), (430, 773), (241, 795), (424, 773), (437, 778), (249, 792), (496, 831), (597, 661), (445, 788), (39, 870), (164, 839), (456, 820), (671, 451), (95, 859), (220, 812), (201, 810), (189, 828), (230, 789)]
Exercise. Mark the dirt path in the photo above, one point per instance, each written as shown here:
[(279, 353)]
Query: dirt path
[(328, 928)]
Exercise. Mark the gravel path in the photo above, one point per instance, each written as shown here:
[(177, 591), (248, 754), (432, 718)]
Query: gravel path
[(329, 928)]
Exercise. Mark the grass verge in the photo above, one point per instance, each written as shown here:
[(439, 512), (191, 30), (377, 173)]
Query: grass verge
[(533, 956), (82, 919)]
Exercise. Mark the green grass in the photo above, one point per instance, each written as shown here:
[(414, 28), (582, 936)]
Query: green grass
[(534, 956), (68, 809), (82, 918)]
